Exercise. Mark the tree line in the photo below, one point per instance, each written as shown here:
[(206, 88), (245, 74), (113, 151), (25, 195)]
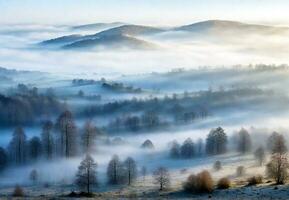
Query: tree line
[(59, 139), (216, 143), (25, 105)]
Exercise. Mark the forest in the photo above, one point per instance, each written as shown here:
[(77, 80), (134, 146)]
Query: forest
[(113, 139)]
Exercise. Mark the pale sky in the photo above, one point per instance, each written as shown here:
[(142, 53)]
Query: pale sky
[(154, 12)]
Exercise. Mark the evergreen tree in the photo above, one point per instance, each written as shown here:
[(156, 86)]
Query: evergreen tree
[(175, 150), (260, 155), (216, 142), (244, 141), (188, 149)]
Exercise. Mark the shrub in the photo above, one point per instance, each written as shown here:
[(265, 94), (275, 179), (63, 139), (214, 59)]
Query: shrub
[(217, 165), (224, 183), (200, 183), (254, 180), (240, 171), (18, 191)]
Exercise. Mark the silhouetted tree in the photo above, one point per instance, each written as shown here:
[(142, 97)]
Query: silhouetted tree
[(34, 148), (162, 177), (47, 140), (260, 155), (115, 171), (132, 123), (150, 119), (68, 134), (33, 176), (130, 170), (86, 176), (216, 142), (3, 158), (17, 146), (175, 150), (89, 137), (188, 149), (147, 145), (244, 141), (276, 143)]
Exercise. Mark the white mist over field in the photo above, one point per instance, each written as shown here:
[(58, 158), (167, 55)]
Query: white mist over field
[(176, 49)]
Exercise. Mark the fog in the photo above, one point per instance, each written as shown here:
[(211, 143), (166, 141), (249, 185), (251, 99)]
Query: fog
[(214, 70), (185, 50)]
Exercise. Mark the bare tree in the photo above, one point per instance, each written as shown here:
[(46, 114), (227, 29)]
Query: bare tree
[(130, 169), (260, 155), (68, 134), (162, 177), (47, 140), (244, 141), (17, 146), (277, 168), (86, 176), (115, 171)]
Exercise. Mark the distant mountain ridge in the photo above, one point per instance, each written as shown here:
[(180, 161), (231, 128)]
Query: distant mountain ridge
[(97, 26), (128, 34), (111, 41), (124, 35), (222, 25)]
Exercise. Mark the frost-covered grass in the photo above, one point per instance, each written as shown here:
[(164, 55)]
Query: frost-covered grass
[(179, 171)]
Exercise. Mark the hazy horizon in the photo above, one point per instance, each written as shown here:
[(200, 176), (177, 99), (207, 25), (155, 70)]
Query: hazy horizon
[(142, 12)]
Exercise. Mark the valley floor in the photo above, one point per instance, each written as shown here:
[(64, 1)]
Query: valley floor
[(146, 189)]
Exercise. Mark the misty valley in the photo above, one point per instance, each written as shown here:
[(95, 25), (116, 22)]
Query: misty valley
[(141, 133), (126, 111)]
